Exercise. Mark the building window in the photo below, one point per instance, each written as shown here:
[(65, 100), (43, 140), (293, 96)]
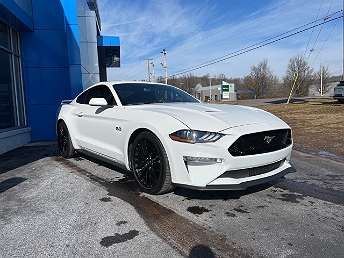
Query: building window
[(12, 110)]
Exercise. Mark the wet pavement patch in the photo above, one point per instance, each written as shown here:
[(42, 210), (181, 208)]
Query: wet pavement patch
[(241, 210), (118, 238), (261, 206), (178, 231), (121, 222), (293, 198), (230, 214), (198, 210), (201, 251), (311, 190), (105, 199), (11, 182)]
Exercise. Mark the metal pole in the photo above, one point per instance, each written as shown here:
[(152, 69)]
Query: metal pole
[(166, 74), (164, 63), (153, 71), (343, 40), (148, 69), (321, 81), (210, 90), (149, 77)]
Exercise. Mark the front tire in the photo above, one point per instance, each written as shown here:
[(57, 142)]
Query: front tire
[(64, 142), (149, 164)]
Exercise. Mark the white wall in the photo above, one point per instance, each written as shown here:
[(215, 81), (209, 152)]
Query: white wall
[(88, 44)]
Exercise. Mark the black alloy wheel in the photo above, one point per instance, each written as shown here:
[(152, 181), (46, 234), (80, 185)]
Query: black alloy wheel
[(64, 142), (150, 165)]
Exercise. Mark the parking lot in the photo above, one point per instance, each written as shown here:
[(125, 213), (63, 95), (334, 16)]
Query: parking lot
[(83, 207)]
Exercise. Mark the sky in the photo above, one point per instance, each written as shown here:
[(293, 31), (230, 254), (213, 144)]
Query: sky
[(195, 31)]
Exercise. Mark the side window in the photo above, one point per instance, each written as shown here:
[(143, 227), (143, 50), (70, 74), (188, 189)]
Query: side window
[(100, 91), (107, 94)]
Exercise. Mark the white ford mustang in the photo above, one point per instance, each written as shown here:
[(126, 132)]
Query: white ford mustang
[(166, 137)]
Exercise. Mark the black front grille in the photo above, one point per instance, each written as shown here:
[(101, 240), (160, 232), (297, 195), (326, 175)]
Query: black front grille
[(247, 172), (262, 142)]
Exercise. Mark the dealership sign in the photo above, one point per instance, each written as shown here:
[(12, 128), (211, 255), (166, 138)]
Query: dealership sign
[(226, 89)]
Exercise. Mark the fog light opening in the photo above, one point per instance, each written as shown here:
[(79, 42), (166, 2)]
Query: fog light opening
[(202, 160)]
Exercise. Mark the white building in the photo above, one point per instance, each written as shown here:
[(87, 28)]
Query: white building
[(221, 92)]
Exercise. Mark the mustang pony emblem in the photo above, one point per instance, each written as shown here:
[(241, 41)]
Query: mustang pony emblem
[(268, 139)]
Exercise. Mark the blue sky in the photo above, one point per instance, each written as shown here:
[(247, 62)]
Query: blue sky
[(194, 31)]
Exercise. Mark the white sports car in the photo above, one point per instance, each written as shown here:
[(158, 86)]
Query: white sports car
[(166, 137)]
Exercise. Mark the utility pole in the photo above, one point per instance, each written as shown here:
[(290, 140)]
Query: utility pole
[(209, 89), (164, 63), (321, 80), (343, 40), (153, 71), (148, 60)]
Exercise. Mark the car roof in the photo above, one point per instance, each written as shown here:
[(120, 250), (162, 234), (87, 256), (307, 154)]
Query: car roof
[(136, 82)]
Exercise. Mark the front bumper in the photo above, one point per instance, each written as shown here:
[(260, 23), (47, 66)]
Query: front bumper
[(243, 185), (208, 176)]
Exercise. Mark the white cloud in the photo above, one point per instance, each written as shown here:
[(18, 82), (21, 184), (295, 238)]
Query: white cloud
[(147, 27)]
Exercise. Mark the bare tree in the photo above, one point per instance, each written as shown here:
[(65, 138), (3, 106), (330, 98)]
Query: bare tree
[(325, 76), (261, 79), (299, 76)]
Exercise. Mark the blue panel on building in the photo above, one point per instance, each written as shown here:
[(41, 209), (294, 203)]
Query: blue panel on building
[(48, 15), (48, 86), (51, 54), (104, 41), (42, 122), (44, 48), (15, 16)]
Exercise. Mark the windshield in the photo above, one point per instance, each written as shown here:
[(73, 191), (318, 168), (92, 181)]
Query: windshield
[(144, 93)]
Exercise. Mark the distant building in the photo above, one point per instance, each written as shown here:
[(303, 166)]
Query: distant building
[(314, 90), (221, 92)]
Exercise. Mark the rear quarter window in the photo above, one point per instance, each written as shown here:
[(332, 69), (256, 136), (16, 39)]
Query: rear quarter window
[(82, 98)]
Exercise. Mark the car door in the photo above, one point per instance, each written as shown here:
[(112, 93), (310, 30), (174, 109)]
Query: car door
[(97, 125)]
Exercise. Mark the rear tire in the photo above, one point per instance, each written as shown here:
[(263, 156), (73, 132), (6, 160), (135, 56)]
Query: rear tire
[(64, 142), (149, 164)]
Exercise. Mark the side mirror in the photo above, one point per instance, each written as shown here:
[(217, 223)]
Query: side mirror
[(98, 102)]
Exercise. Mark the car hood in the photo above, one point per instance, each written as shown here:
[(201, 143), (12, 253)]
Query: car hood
[(214, 117)]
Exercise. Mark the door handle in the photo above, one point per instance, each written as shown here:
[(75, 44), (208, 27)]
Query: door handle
[(80, 114)]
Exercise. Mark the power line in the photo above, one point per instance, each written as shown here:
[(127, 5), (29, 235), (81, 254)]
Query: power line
[(263, 43), (311, 36), (317, 36), (330, 32), (268, 39)]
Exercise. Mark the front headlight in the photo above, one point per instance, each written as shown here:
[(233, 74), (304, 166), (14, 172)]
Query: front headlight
[(194, 136)]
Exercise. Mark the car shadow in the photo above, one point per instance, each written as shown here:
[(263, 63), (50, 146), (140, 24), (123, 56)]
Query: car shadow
[(26, 155), (107, 164), (284, 101), (191, 194), (11, 182)]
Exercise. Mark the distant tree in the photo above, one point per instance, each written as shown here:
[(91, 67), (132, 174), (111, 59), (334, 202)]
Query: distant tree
[(261, 79), (326, 76), (299, 75)]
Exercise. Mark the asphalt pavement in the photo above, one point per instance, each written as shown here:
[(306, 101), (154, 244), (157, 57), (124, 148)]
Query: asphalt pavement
[(50, 206)]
